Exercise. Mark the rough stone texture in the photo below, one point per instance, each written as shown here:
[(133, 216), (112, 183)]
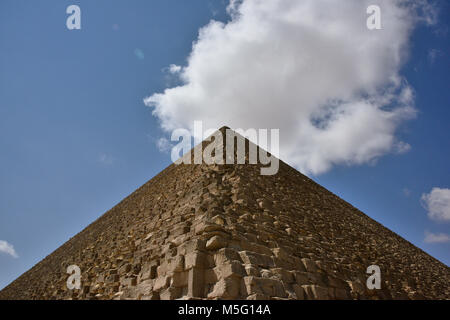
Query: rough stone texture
[(227, 232)]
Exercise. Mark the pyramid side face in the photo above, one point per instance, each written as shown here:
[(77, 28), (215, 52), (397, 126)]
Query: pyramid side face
[(228, 232)]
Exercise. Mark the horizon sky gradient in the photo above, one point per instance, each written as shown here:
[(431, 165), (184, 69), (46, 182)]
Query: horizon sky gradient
[(76, 136)]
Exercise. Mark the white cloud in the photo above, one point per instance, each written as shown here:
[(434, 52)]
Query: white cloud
[(173, 68), (8, 248), (436, 237), (433, 54), (437, 203), (310, 68), (105, 159), (402, 147), (163, 145)]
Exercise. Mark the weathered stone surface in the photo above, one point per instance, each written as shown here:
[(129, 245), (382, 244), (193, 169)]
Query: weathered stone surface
[(196, 283), (227, 232), (216, 242)]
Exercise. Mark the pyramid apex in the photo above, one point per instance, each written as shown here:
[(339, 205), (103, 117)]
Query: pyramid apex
[(223, 128)]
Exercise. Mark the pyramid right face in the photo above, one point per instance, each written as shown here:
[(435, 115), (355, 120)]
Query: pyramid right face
[(228, 232)]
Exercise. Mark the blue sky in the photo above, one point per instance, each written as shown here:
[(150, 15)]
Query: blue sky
[(76, 136)]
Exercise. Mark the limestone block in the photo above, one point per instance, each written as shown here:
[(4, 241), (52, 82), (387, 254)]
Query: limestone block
[(261, 260), (151, 296), (170, 293), (148, 271), (226, 289), (194, 259), (204, 226), (125, 268), (282, 274), (301, 278), (299, 292), (179, 279), (357, 287), (196, 286), (251, 285), (257, 296), (320, 293), (224, 255), (230, 269), (309, 265), (180, 230), (216, 242), (128, 282), (176, 264), (254, 247), (161, 282), (210, 276), (252, 270), (191, 246), (315, 292)]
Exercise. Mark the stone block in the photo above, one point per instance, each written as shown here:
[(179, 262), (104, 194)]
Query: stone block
[(148, 271), (191, 246), (144, 288), (256, 259), (282, 274), (299, 292), (257, 296), (315, 292), (309, 265), (128, 282), (226, 289), (230, 269), (224, 255), (251, 285), (161, 282), (179, 279), (170, 293), (176, 264), (252, 270), (195, 259), (196, 287), (215, 243)]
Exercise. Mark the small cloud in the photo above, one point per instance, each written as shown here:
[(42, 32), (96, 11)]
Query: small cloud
[(437, 203), (173, 68), (106, 159), (433, 54), (139, 54), (163, 145), (406, 192), (402, 147), (8, 248), (436, 237)]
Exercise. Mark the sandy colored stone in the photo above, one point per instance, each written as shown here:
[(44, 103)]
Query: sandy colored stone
[(227, 232)]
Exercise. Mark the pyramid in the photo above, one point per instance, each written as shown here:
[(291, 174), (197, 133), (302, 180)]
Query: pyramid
[(203, 231)]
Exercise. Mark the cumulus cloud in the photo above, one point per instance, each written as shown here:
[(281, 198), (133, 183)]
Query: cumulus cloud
[(310, 68), (8, 248), (437, 203), (436, 237), (163, 145)]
